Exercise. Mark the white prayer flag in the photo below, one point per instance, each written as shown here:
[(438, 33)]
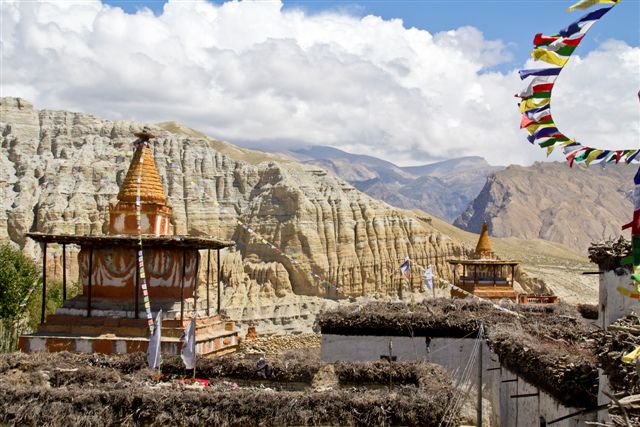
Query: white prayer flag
[(188, 339), (154, 357), (428, 277), (404, 267)]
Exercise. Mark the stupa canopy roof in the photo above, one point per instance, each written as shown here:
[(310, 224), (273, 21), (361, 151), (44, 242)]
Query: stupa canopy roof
[(126, 240)]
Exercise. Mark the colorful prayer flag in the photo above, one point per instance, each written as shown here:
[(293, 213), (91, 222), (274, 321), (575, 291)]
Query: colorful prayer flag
[(404, 267), (584, 4), (539, 72)]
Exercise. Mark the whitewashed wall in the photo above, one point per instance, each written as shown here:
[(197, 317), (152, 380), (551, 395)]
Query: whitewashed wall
[(453, 354), (613, 305)]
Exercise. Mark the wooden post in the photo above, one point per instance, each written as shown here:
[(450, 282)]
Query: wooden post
[(64, 272), (44, 282), (219, 275), (513, 274), (89, 284), (136, 277), (196, 282), (400, 286), (479, 413), (184, 268), (494, 275), (208, 274)]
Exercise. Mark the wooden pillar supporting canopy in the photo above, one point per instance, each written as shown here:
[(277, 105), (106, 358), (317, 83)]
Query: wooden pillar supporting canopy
[(44, 282), (195, 283), (208, 274), (513, 275), (90, 281), (64, 272), (218, 310), (184, 267), (137, 288)]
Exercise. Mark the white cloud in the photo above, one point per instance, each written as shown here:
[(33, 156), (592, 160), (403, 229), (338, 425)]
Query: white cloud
[(250, 72)]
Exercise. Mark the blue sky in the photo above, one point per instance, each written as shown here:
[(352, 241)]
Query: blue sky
[(512, 21)]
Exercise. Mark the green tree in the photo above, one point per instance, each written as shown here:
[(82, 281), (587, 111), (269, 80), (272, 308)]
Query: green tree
[(17, 276)]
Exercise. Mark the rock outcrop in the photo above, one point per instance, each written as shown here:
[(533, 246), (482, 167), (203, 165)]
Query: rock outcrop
[(573, 206), (60, 170)]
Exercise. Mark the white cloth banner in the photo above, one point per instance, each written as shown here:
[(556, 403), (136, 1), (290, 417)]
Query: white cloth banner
[(154, 356), (188, 352)]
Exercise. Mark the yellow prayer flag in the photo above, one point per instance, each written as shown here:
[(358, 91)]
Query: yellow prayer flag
[(533, 128), (531, 103), (584, 4), (592, 156), (631, 357), (540, 54)]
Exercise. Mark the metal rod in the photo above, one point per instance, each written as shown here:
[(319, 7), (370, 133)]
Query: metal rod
[(90, 281), (44, 282), (218, 310), (64, 272), (591, 272), (208, 275), (184, 267), (510, 381), (494, 369), (581, 412), (518, 396), (136, 278)]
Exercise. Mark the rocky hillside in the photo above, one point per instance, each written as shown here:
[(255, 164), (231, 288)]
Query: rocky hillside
[(443, 189), (573, 206), (60, 170)]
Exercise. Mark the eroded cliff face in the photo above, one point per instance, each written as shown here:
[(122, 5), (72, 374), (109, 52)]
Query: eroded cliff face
[(572, 206), (60, 170)]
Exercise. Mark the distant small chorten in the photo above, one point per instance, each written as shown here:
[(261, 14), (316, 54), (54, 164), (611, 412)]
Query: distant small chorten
[(483, 248), (484, 275)]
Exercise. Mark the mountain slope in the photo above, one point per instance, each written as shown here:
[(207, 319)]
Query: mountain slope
[(60, 170), (443, 189), (573, 206)]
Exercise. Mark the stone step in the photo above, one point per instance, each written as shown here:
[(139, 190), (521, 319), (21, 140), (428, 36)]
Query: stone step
[(94, 326)]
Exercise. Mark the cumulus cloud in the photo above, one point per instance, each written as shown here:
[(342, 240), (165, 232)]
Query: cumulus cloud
[(253, 73)]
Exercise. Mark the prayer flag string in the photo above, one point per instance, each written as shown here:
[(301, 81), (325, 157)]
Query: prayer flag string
[(535, 99), (477, 298), (535, 106), (141, 273)]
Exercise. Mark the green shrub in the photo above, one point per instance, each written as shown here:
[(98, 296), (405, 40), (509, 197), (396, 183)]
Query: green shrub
[(17, 274)]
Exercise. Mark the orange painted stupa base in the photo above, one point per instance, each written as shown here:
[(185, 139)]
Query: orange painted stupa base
[(491, 293)]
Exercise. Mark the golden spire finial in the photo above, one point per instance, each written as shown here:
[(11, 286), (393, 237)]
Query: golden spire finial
[(151, 189)]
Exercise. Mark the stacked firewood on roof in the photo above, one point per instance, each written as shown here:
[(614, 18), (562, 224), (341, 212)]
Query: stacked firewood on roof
[(609, 253), (621, 338)]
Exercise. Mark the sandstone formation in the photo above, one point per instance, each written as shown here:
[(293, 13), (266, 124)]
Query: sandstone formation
[(60, 170), (573, 206)]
